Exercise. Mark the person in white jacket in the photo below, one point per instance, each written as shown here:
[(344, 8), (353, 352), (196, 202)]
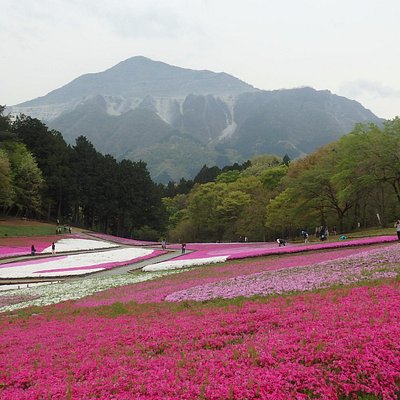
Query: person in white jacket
[(397, 226)]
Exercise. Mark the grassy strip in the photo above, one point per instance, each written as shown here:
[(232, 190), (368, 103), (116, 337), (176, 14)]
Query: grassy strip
[(26, 230)]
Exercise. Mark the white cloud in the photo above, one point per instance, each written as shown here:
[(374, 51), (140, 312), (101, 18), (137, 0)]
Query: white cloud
[(369, 89)]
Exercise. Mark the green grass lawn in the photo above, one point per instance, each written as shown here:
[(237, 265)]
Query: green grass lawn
[(26, 230), (377, 231)]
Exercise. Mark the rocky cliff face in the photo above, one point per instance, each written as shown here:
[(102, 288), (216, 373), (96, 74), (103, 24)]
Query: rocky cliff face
[(177, 119)]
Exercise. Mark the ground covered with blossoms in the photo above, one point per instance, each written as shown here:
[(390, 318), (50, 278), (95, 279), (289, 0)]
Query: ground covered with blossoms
[(318, 323), (337, 344)]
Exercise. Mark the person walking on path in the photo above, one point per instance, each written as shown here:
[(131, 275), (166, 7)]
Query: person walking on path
[(53, 248), (305, 236), (397, 226), (183, 247), (33, 250)]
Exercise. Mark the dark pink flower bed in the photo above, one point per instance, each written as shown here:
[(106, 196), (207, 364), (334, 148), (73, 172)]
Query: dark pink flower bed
[(120, 240), (337, 344), (16, 246), (245, 250)]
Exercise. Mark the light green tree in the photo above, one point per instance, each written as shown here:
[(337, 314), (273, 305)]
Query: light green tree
[(6, 188), (27, 180)]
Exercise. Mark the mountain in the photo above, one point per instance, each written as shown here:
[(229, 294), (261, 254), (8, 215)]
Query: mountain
[(179, 119)]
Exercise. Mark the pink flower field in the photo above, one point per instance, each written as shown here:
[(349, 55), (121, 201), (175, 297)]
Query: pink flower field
[(17, 246), (365, 265), (120, 240), (206, 253), (325, 325), (338, 344), (158, 290)]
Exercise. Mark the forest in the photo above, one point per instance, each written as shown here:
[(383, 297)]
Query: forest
[(353, 182)]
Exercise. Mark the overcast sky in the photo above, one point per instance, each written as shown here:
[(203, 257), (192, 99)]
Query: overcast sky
[(350, 47)]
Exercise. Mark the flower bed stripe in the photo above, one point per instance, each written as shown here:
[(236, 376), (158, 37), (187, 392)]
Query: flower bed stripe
[(368, 265), (314, 247), (76, 263), (201, 252), (104, 265)]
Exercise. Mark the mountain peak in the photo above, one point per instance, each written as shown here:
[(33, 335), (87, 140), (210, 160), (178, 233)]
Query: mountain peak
[(138, 77)]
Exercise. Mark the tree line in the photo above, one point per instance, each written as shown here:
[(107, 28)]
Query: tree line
[(353, 182), (43, 177)]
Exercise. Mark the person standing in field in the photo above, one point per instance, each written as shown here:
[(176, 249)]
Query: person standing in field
[(397, 226)]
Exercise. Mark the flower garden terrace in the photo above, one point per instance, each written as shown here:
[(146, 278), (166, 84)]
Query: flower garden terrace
[(109, 258), (296, 326)]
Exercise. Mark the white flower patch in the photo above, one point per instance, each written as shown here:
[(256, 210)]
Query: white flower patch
[(57, 292), (4, 288), (79, 244), (74, 264), (185, 263)]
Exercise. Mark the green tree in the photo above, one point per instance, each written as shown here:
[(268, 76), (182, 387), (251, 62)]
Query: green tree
[(202, 204), (314, 190), (27, 180), (6, 188), (250, 221), (207, 174), (260, 163), (53, 157), (228, 176), (272, 177), (369, 167), (85, 166), (281, 215)]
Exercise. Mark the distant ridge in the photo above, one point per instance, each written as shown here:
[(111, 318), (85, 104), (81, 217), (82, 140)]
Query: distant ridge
[(179, 119), (140, 77)]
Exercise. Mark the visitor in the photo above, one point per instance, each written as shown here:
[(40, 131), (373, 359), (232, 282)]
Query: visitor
[(397, 226), (33, 250), (183, 247), (281, 242), (53, 248), (163, 244), (305, 236)]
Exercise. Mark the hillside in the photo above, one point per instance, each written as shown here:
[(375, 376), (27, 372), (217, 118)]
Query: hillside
[(178, 119)]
